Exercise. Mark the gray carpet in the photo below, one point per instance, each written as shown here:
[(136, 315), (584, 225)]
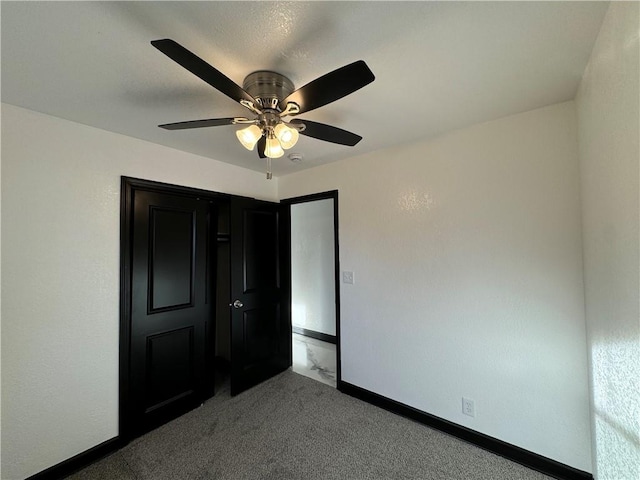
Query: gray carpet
[(292, 427)]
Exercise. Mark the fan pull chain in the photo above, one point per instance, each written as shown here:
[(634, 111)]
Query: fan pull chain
[(269, 174)]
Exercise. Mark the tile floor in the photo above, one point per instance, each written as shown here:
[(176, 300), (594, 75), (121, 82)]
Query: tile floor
[(314, 359)]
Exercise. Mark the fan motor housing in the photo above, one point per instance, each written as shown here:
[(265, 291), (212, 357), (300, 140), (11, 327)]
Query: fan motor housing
[(268, 88)]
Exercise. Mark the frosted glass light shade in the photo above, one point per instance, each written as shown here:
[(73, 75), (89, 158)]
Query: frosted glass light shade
[(249, 136), (288, 136), (273, 148)]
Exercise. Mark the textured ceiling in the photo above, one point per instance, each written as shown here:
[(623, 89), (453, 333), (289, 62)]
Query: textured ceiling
[(439, 66)]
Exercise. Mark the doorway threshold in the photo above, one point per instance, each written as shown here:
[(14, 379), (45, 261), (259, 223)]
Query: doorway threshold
[(314, 359)]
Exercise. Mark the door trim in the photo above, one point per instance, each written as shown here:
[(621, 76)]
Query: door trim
[(331, 194), (128, 187)]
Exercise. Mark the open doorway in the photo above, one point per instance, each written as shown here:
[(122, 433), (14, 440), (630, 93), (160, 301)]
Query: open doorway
[(314, 294)]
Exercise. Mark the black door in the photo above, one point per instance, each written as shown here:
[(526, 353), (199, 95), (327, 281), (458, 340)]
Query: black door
[(170, 307), (260, 321)]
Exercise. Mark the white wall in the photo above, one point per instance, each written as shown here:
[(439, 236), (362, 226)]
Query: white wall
[(313, 295), (60, 282), (608, 118), (468, 261)]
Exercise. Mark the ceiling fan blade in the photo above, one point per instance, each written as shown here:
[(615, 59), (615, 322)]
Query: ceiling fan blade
[(327, 133), (211, 122), (262, 144), (331, 87), (203, 70)]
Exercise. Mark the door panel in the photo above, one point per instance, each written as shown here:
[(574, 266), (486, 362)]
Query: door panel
[(260, 250), (260, 330), (172, 258), (169, 308), (170, 367)]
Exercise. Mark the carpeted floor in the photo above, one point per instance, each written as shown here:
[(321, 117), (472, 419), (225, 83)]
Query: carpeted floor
[(292, 427)]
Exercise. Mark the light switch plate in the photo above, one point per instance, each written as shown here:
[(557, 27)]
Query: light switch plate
[(348, 277)]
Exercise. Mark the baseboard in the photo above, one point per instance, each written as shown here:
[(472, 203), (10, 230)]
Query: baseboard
[(524, 457), (73, 464), (313, 334)]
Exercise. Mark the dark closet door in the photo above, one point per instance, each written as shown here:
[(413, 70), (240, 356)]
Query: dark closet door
[(170, 307), (260, 324)]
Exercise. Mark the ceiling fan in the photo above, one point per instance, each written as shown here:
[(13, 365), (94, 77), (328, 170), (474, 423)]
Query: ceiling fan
[(271, 96)]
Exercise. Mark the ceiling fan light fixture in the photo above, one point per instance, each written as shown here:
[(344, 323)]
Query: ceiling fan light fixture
[(249, 136), (287, 136), (273, 149)]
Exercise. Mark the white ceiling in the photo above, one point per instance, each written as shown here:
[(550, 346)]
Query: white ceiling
[(439, 66)]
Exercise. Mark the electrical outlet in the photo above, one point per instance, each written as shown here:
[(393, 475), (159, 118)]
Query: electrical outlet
[(468, 407), (348, 277)]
